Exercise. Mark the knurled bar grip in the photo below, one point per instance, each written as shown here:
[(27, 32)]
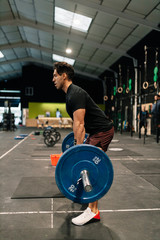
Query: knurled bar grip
[(86, 182)]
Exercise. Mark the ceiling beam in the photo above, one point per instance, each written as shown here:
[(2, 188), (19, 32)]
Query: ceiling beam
[(10, 72), (30, 59), (44, 49), (72, 37), (116, 13)]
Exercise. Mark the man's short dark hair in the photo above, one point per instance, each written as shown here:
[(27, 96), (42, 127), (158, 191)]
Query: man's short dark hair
[(63, 67)]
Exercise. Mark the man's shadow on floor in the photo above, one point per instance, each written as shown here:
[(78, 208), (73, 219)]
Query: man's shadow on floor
[(94, 231)]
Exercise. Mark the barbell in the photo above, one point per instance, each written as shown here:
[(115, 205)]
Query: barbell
[(84, 173)]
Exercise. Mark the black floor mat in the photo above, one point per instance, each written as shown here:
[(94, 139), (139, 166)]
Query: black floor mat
[(153, 179), (149, 170), (143, 167), (37, 187)]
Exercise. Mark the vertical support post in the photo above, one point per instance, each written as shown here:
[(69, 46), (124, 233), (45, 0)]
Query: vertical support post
[(104, 88), (116, 122), (105, 94), (116, 102), (135, 93), (131, 116), (121, 108), (116, 78), (140, 100)]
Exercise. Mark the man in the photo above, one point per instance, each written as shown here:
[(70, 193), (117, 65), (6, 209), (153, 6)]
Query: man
[(156, 111), (143, 115), (58, 113), (87, 117)]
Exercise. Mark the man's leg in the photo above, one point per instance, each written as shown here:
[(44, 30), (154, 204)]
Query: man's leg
[(91, 214), (94, 207), (102, 141)]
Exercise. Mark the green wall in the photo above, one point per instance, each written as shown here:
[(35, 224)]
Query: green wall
[(37, 108)]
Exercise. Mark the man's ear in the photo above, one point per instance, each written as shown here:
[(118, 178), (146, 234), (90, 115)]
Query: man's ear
[(64, 75)]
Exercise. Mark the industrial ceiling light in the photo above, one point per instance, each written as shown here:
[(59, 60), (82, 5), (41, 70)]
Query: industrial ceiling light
[(63, 59), (10, 91), (68, 50), (71, 19)]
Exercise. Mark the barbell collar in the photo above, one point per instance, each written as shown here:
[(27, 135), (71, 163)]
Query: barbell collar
[(86, 182)]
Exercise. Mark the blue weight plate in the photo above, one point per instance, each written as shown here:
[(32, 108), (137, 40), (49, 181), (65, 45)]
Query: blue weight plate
[(84, 157), (19, 138), (23, 135), (68, 141)]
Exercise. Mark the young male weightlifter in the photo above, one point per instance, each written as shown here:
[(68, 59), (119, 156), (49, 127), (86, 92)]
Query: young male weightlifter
[(87, 117)]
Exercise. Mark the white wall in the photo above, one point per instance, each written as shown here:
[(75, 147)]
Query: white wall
[(15, 110)]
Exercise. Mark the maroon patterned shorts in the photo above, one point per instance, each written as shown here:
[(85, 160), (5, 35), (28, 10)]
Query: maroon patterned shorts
[(101, 139)]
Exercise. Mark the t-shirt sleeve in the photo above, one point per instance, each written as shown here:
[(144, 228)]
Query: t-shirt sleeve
[(78, 101)]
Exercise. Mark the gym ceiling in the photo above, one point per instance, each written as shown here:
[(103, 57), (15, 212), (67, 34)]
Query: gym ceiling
[(30, 34)]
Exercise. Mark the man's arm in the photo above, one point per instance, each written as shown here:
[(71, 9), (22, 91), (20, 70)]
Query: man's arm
[(153, 111), (78, 125)]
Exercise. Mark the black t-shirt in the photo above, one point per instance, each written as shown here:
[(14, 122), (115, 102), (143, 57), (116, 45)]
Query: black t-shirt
[(95, 119)]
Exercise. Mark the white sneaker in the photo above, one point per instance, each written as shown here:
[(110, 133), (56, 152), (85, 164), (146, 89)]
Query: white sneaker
[(86, 217)]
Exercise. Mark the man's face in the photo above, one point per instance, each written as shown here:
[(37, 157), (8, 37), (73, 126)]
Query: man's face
[(58, 80), (155, 98)]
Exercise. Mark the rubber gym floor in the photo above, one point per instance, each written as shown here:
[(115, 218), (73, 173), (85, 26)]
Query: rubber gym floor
[(129, 211)]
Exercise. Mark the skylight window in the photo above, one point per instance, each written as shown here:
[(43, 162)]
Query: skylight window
[(63, 59), (1, 55), (71, 19)]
